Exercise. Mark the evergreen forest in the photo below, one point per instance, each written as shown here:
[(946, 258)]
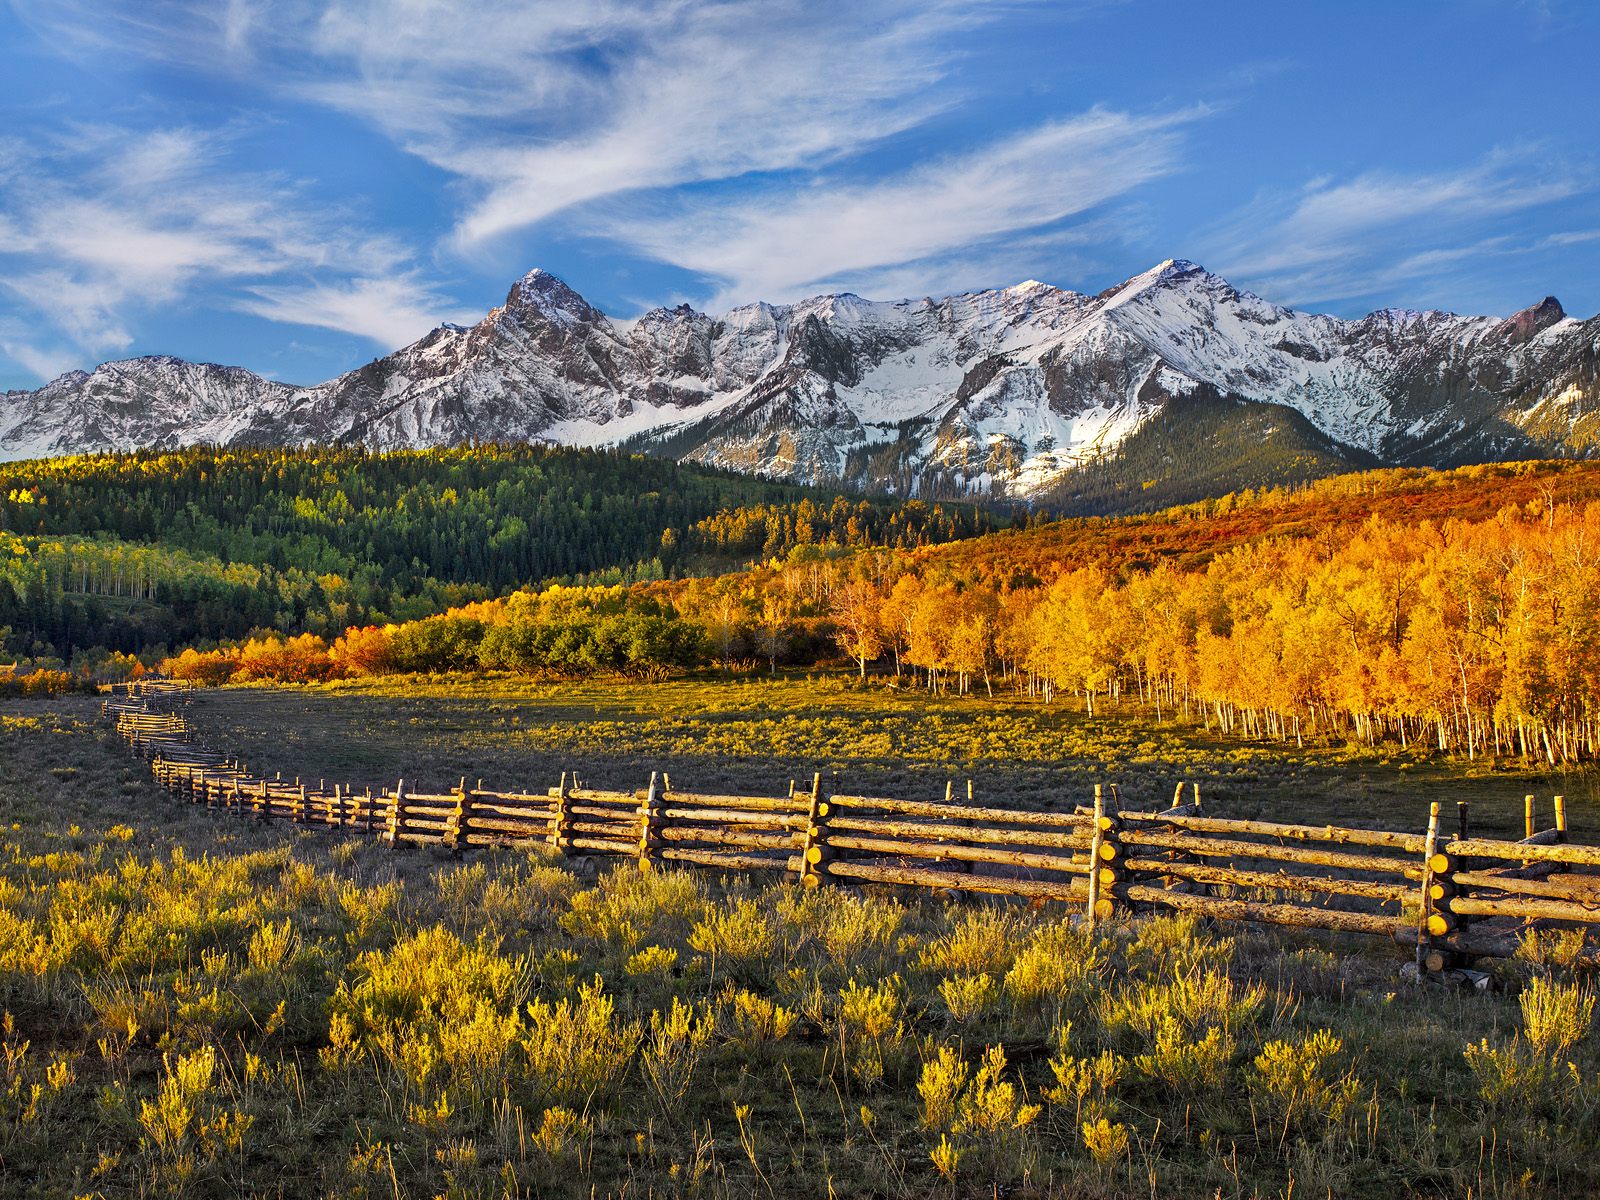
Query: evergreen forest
[(126, 553)]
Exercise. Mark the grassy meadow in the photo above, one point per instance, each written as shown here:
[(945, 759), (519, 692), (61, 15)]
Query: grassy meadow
[(203, 1006), (754, 734)]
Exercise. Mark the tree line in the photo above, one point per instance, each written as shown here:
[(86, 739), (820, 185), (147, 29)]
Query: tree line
[(130, 552), (1475, 637)]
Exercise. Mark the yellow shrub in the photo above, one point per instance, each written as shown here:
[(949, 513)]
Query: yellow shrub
[(751, 1021), (560, 1129), (1184, 1062), (628, 908), (671, 1052), (1105, 1142), (441, 1011), (1053, 966), (870, 1025), (736, 933), (577, 1050), (983, 942), (652, 960), (1300, 1082), (1555, 1016), (942, 1081), (1086, 1084), (24, 949), (969, 997)]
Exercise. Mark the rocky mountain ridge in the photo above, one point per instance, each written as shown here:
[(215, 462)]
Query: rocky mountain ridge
[(1004, 393)]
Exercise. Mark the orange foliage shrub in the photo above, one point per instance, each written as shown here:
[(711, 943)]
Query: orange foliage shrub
[(208, 668), (42, 683), (302, 659), (363, 650)]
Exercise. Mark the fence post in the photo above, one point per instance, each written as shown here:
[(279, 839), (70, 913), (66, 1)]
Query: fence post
[(649, 823), (1103, 851), (1561, 818), (1107, 866), (559, 833), (458, 817), (1431, 923), (814, 850), (391, 835)]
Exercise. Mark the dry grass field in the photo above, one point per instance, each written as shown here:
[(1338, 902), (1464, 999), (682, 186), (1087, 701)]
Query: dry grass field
[(204, 1006), (756, 734)]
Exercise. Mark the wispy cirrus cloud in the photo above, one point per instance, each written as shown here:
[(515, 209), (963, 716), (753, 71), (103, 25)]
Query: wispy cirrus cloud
[(1336, 240), (618, 116), (932, 219), (17, 341), (390, 310), (543, 104), (98, 223)]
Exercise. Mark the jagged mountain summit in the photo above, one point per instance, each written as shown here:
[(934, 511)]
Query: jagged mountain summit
[(999, 393)]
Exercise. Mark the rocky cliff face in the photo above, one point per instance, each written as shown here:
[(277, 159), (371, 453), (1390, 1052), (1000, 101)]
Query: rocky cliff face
[(997, 392)]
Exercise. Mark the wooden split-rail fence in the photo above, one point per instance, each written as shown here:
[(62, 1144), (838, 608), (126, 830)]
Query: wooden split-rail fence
[(1451, 896)]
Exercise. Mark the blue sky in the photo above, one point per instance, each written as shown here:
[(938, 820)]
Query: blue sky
[(297, 186)]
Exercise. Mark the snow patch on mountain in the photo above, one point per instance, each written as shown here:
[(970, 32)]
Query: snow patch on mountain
[(999, 391)]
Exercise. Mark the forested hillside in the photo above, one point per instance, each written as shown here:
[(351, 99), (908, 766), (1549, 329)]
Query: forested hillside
[(1459, 609), (1191, 534), (127, 552), (1199, 446)]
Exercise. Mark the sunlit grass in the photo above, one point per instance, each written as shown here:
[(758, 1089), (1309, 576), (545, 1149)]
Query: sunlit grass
[(203, 1006), (756, 735)]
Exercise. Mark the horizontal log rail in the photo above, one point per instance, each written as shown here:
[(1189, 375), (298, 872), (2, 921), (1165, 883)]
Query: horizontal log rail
[(1272, 880), (1232, 848), (960, 812), (1580, 888), (961, 853), (1268, 913), (1467, 896), (1410, 843), (959, 881), (927, 829), (1567, 855)]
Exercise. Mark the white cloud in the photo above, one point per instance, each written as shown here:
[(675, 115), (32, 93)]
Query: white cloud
[(728, 92), (613, 112), (392, 311), (1573, 237), (45, 361), (1073, 252), (108, 222), (1336, 240), (545, 104), (778, 244)]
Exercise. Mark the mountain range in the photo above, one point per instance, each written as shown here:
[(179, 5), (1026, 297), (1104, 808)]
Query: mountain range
[(1011, 393)]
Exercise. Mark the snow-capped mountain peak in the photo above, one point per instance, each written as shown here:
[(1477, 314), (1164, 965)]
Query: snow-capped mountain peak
[(544, 295), (1003, 391)]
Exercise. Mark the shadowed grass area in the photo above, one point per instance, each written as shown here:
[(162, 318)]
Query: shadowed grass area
[(197, 1005), (755, 735)]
